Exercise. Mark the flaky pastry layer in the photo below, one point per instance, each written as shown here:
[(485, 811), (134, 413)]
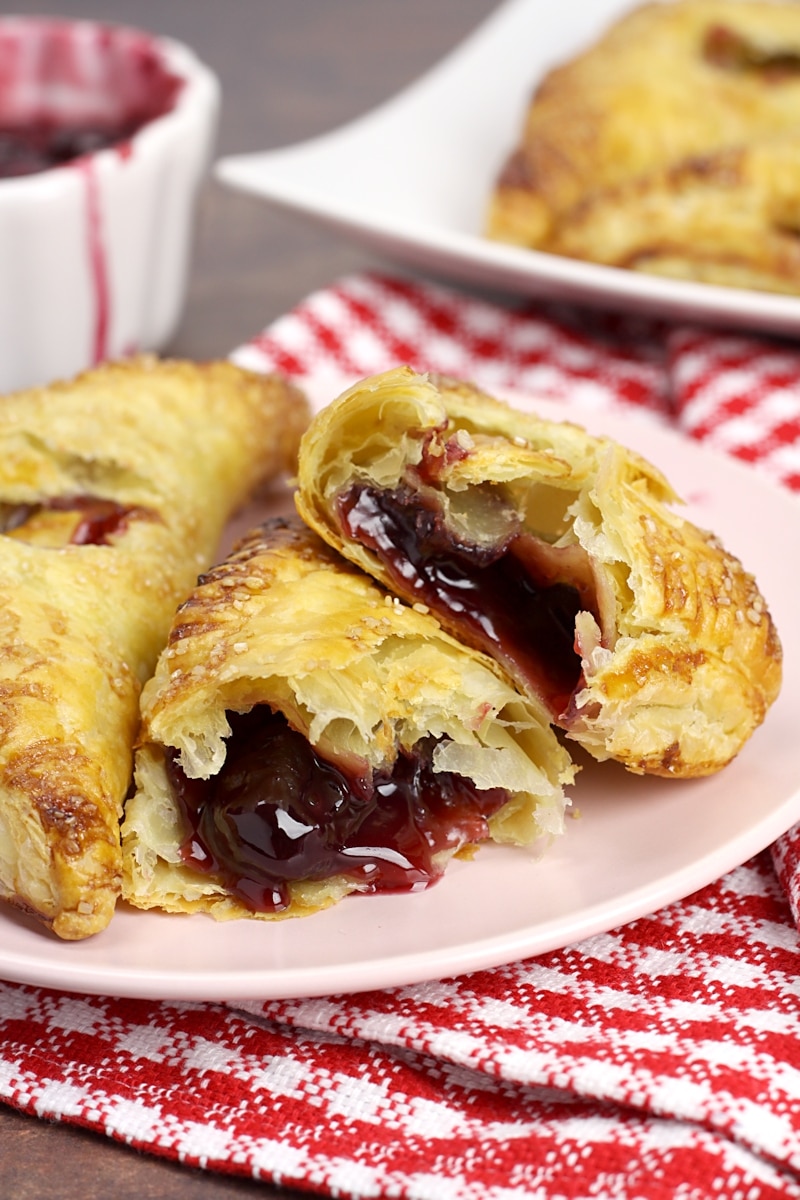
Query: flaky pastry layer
[(142, 462)]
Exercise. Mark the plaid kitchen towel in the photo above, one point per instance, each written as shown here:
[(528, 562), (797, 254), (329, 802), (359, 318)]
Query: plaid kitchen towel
[(660, 1059)]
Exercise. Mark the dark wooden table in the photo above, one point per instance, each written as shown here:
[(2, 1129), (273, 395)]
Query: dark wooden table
[(289, 69)]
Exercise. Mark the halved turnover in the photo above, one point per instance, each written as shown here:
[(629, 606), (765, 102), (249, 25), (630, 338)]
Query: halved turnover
[(305, 735), (114, 489), (556, 552)]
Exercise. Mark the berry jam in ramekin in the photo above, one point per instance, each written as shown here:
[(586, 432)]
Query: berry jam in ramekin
[(106, 134), (68, 89)]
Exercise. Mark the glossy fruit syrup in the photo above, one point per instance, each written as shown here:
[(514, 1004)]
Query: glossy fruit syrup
[(491, 595), (278, 812), (96, 519)]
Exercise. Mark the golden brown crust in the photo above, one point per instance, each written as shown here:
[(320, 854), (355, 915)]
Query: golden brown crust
[(285, 622), (177, 447), (678, 657), (669, 147)]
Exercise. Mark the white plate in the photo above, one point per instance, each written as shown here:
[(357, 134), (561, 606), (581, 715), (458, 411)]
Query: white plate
[(638, 843), (412, 178)]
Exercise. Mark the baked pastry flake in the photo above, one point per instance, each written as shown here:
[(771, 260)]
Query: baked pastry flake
[(114, 490), (558, 553)]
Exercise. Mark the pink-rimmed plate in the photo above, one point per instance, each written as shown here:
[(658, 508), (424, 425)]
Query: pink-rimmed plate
[(635, 844)]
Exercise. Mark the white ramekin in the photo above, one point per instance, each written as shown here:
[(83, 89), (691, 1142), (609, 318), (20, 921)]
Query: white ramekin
[(94, 254)]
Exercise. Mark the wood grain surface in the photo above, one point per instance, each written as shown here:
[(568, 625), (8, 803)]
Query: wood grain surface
[(289, 69)]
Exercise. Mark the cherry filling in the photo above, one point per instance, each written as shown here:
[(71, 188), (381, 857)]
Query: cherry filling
[(97, 519), (70, 89), (729, 50), (505, 598), (29, 149), (278, 812)]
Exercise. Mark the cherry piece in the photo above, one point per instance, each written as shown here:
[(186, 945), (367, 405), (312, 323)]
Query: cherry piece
[(277, 811)]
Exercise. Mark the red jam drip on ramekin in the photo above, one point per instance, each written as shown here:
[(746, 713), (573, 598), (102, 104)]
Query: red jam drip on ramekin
[(98, 265), (278, 812)]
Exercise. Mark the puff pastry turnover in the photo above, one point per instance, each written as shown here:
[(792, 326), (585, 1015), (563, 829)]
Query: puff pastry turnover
[(306, 736), (114, 489), (669, 146), (557, 552)]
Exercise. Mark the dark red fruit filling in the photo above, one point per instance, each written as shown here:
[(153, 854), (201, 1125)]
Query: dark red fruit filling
[(69, 89), (498, 596), (278, 812), (97, 519), (37, 147)]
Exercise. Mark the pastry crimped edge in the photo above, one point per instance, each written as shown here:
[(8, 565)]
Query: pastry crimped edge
[(284, 621), (81, 625), (687, 661)]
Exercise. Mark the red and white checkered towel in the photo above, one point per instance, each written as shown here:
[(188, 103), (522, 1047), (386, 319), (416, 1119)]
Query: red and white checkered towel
[(661, 1059)]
